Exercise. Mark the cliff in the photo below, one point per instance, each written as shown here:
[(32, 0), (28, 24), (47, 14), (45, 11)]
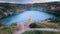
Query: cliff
[(8, 9)]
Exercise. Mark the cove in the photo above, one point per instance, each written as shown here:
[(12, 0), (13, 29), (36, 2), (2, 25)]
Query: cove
[(22, 17)]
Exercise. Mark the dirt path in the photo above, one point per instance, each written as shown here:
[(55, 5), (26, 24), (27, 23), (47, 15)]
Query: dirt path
[(23, 28), (46, 29)]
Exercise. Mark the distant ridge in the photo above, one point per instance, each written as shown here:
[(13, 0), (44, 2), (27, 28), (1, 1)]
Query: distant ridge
[(26, 2)]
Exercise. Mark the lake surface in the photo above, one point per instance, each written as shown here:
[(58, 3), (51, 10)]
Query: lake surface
[(22, 17)]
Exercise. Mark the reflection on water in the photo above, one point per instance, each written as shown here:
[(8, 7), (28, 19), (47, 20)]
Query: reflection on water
[(36, 15)]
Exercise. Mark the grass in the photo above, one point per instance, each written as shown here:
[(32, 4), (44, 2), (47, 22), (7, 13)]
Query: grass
[(40, 32), (8, 29), (44, 25)]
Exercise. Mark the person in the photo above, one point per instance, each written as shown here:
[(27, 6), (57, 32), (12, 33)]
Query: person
[(30, 19)]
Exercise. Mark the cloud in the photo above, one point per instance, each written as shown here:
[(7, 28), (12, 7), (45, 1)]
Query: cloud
[(27, 1)]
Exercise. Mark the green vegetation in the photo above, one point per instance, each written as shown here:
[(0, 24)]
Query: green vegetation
[(55, 20), (44, 25), (35, 25), (40, 32), (14, 24), (49, 23), (1, 24), (8, 29)]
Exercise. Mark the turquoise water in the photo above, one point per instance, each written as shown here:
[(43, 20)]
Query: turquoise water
[(22, 17)]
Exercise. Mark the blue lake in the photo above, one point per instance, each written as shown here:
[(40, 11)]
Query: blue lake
[(22, 17)]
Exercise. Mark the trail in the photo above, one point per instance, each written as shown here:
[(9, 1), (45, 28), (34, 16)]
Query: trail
[(23, 28)]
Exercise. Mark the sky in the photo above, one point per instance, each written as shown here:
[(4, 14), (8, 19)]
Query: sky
[(27, 1)]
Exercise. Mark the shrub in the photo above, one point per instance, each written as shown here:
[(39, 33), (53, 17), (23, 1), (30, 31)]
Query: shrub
[(8, 29), (55, 20), (40, 32), (14, 24), (44, 25), (36, 25), (1, 23), (33, 25)]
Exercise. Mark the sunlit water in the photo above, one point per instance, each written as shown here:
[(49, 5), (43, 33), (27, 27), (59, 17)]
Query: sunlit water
[(22, 17)]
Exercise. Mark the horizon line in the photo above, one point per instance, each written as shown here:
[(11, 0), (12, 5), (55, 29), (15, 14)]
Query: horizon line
[(28, 2)]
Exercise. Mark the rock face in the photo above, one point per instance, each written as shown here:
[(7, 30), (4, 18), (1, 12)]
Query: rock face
[(7, 9)]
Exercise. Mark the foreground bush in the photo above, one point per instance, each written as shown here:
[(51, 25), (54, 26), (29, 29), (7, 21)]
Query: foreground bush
[(35, 25), (40, 32), (44, 25)]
